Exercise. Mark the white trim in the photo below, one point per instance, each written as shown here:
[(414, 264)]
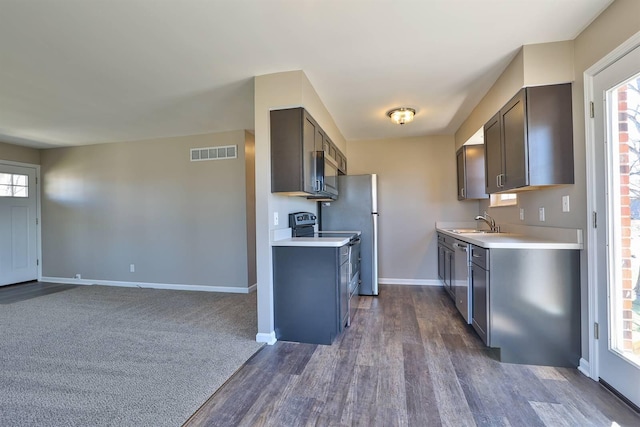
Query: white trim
[(38, 208), (269, 338), (409, 282), (24, 165), (584, 368), (591, 368), (171, 286)]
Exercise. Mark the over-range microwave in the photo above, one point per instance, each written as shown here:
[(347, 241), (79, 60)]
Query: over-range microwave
[(326, 176)]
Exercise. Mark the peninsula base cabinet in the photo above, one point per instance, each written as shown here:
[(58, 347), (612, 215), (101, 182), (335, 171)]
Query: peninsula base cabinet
[(526, 304), (310, 293)]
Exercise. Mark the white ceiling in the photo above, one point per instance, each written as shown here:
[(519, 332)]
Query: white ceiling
[(76, 72)]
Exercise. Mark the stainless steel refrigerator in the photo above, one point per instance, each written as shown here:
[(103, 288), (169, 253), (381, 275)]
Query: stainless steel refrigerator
[(357, 210)]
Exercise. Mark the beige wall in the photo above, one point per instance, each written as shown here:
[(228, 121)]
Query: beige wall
[(416, 187), (533, 65), (502, 90), (107, 206), (250, 181), (16, 153), (548, 63), (275, 91)]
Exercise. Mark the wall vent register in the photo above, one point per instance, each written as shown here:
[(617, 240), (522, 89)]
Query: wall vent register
[(214, 153)]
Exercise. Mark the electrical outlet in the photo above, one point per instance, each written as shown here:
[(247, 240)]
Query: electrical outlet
[(565, 204), (276, 218), (132, 268), (521, 214), (541, 212)]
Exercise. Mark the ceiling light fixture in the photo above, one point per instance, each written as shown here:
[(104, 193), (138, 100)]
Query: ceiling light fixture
[(401, 115)]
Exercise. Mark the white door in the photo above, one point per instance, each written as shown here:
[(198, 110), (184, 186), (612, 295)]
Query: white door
[(616, 91), (18, 227)]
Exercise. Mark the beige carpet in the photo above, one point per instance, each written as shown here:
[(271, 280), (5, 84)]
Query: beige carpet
[(107, 356)]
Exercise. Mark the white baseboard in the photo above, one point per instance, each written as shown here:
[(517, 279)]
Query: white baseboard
[(409, 282), (584, 368), (269, 338), (171, 286)]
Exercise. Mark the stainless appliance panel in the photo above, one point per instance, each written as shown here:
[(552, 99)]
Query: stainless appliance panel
[(354, 210)]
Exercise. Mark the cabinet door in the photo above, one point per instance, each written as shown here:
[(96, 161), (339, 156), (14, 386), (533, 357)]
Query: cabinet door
[(474, 176), (441, 258), (492, 154), (342, 163), (479, 292), (448, 270), (332, 150), (311, 136), (462, 180), (514, 142)]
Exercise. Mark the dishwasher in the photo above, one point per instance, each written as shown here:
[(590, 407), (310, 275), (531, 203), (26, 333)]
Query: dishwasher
[(461, 288)]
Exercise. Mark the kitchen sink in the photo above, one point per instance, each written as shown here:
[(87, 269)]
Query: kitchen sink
[(471, 231)]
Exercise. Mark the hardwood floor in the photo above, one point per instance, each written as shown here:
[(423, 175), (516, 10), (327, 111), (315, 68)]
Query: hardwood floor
[(408, 360), (24, 291)]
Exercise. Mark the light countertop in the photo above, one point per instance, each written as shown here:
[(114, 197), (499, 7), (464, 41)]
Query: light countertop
[(519, 237), (318, 242), (282, 237)]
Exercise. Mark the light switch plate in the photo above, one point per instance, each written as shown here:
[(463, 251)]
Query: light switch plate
[(565, 204), (521, 214), (276, 218), (541, 212)]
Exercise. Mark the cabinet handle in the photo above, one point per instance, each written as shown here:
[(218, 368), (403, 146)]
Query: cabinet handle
[(498, 181), (462, 192), (476, 256)]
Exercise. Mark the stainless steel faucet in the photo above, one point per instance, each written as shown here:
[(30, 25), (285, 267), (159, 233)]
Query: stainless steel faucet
[(490, 221)]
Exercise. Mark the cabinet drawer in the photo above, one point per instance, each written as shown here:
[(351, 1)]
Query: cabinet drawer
[(480, 256)]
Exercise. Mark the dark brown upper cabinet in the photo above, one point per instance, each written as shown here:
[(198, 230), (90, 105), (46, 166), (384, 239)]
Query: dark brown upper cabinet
[(295, 138), (334, 152), (296, 141), (529, 142), (470, 167), (342, 163)]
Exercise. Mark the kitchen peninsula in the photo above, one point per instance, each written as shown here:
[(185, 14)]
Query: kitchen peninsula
[(524, 290)]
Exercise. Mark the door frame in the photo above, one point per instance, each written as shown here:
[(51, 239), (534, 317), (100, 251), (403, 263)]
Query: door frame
[(38, 208), (591, 368)]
